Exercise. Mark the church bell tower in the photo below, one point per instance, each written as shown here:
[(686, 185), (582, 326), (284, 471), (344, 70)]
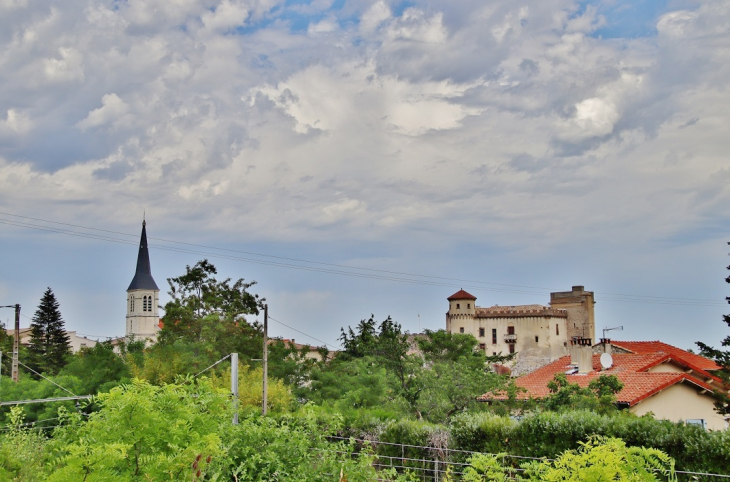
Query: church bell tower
[(143, 297)]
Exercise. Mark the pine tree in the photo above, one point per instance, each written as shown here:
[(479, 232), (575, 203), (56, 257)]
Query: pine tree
[(722, 358), (49, 342)]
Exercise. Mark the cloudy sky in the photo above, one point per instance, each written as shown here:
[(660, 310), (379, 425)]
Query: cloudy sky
[(359, 156)]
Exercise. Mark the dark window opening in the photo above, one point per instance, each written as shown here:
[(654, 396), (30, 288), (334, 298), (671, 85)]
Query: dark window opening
[(468, 305), (510, 330), (481, 332), (536, 339), (511, 348), (458, 306), (494, 336), (482, 346), (494, 353), (557, 329), (461, 330)]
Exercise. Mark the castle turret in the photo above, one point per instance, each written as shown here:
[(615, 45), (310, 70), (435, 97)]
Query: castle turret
[(142, 297), (462, 308)]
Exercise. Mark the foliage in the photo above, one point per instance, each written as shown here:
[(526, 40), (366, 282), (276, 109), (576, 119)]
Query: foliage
[(722, 358), (548, 434), (207, 317), (144, 432), (250, 390), (599, 396), (98, 368), (22, 450), (453, 386), (49, 343), (604, 459)]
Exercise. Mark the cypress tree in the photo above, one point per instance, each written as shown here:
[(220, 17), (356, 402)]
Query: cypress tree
[(49, 342)]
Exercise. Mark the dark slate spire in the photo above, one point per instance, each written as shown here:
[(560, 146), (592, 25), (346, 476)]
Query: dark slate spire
[(143, 277)]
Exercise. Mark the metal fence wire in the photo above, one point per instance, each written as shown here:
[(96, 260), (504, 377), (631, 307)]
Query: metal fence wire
[(431, 464)]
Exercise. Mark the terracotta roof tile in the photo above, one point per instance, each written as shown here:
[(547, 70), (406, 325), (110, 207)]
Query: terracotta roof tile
[(630, 368), (645, 347), (461, 295)]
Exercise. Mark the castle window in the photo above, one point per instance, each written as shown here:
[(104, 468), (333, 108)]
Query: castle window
[(511, 348), (461, 330), (144, 303), (481, 332), (494, 336), (482, 346), (468, 306), (510, 330), (557, 329), (536, 339), (458, 306), (132, 303)]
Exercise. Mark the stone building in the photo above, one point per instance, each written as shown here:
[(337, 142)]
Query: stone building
[(143, 297), (538, 333)]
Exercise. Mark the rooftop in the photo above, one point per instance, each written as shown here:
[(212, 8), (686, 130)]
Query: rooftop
[(631, 368)]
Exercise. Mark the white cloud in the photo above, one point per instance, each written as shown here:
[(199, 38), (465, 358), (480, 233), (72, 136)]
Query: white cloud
[(111, 110)]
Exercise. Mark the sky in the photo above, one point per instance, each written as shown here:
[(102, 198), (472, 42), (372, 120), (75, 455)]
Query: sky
[(362, 157)]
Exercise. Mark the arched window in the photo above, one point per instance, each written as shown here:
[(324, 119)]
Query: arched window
[(144, 306), (132, 302)]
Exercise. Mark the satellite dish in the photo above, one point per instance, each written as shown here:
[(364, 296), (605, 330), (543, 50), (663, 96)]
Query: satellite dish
[(606, 361)]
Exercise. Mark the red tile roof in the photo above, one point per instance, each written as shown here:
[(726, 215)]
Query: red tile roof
[(645, 347), (630, 368), (461, 295)]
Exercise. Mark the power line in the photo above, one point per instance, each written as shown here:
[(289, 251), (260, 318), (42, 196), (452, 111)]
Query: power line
[(342, 270), (46, 378), (305, 334)]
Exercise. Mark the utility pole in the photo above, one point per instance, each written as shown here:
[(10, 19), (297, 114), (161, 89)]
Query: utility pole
[(16, 341), (266, 361), (234, 386)]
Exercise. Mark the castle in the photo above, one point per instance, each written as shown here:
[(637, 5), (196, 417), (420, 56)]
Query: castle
[(142, 297), (541, 333)]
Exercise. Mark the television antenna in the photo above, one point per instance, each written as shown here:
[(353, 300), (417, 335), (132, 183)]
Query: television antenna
[(619, 328)]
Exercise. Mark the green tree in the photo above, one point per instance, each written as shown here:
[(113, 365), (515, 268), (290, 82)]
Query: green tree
[(49, 342), (722, 358), (206, 319), (600, 395)]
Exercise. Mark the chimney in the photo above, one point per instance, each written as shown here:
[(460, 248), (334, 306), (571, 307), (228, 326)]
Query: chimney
[(582, 354), (606, 346)]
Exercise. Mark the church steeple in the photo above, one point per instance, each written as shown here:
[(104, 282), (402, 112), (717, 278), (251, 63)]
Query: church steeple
[(143, 276), (143, 297)]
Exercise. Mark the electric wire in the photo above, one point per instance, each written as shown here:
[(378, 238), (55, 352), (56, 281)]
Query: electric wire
[(214, 364), (46, 378), (371, 273), (305, 334)]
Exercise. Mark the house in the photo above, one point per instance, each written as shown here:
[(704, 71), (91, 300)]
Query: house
[(667, 381), (540, 334), (76, 342)]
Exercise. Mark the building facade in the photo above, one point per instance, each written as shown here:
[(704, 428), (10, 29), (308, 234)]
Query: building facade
[(143, 319), (536, 331)]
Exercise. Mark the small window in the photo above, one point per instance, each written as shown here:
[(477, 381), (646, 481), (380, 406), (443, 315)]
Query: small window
[(481, 332), (461, 330), (537, 339), (557, 329), (697, 421), (458, 306), (510, 330), (468, 306), (511, 348), (144, 303), (494, 336), (494, 353), (132, 300), (482, 346)]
